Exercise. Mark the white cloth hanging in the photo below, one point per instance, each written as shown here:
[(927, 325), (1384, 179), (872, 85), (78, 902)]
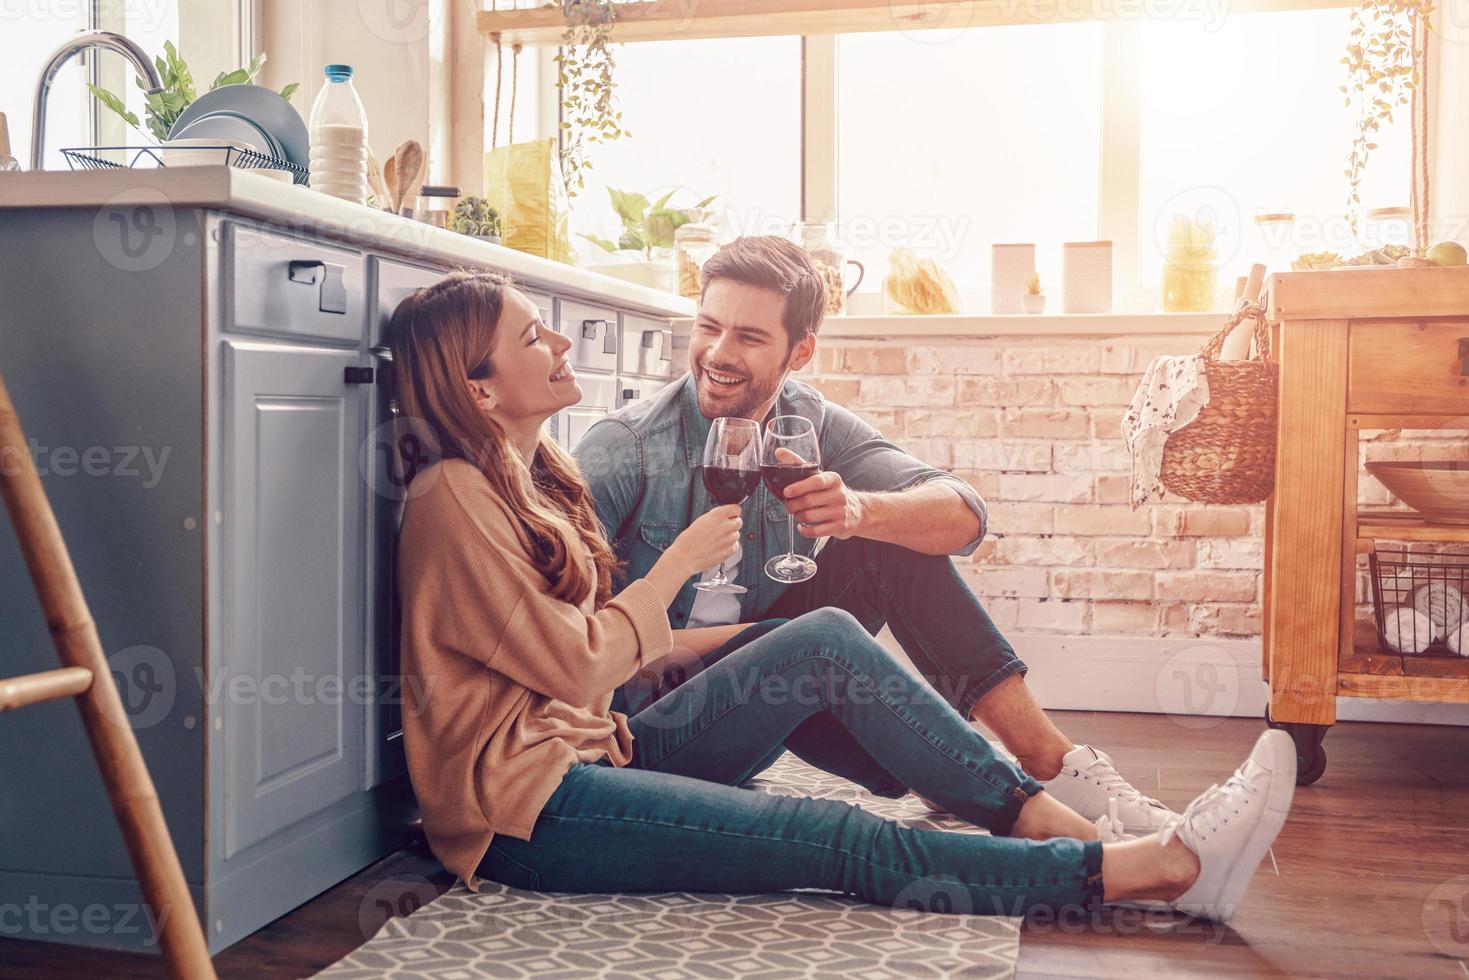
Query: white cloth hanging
[(1171, 394)]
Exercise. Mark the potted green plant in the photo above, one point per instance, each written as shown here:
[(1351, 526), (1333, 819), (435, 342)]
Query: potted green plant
[(589, 112), (473, 216), (1034, 299), (644, 246), (163, 107)]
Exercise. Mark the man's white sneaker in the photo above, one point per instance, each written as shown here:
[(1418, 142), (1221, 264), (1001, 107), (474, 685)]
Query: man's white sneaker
[(1090, 784), (1231, 827)]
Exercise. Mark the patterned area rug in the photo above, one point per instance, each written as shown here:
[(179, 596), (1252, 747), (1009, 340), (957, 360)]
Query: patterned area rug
[(506, 932)]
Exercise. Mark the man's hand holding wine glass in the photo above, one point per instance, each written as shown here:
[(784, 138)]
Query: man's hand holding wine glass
[(823, 505)]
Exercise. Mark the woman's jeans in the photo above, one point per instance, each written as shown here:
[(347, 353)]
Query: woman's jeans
[(674, 818)]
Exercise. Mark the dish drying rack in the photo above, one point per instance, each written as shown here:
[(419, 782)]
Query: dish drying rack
[(148, 157)]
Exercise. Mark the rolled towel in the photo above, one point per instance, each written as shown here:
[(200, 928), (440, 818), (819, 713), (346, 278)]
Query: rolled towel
[(1443, 604), (1459, 640), (1407, 630)]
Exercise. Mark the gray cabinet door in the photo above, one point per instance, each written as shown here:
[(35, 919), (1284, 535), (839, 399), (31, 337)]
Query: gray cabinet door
[(290, 681)]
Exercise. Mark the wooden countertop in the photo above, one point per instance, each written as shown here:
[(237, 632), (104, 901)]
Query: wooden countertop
[(251, 195), (1359, 294)]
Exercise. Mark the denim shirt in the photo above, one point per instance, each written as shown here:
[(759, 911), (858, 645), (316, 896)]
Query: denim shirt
[(644, 466)]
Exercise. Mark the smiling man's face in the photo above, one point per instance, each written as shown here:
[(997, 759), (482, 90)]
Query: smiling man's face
[(740, 352)]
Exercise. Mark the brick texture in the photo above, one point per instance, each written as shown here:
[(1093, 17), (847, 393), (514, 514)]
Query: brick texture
[(1033, 424)]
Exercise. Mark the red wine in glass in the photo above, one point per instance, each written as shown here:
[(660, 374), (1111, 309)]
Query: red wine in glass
[(781, 475), (731, 474), (790, 452), (730, 485)]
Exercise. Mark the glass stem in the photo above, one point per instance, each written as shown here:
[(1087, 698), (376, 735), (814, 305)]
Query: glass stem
[(718, 578), (791, 530)]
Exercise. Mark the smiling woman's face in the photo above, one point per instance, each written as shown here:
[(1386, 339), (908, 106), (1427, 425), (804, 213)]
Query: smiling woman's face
[(533, 379), (740, 351)]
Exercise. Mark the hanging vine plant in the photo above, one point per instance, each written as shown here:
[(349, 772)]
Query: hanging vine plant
[(1383, 71), (585, 72)]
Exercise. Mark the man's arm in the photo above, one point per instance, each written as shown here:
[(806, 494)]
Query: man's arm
[(609, 457), (870, 488)]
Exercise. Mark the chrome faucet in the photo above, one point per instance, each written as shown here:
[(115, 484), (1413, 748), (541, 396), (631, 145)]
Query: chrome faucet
[(110, 40)]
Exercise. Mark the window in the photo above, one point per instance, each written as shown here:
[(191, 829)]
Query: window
[(1246, 119), (26, 41), (713, 117), (951, 145)]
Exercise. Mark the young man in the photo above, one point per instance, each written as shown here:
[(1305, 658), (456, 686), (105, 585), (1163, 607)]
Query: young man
[(891, 520)]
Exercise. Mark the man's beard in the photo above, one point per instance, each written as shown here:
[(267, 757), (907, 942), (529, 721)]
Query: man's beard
[(750, 399)]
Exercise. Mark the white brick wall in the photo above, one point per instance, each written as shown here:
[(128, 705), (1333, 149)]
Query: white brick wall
[(1033, 424)]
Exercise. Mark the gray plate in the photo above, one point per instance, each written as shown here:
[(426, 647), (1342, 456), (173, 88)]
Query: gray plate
[(230, 126), (261, 106)]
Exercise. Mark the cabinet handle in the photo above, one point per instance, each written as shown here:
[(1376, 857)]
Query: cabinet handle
[(1463, 355), (628, 394), (358, 375), (662, 339), (332, 295)]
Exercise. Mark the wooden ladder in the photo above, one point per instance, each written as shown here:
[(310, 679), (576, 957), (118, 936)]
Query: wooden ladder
[(85, 677)]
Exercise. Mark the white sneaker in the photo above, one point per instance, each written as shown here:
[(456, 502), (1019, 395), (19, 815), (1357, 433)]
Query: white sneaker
[(1231, 827), (1090, 784)]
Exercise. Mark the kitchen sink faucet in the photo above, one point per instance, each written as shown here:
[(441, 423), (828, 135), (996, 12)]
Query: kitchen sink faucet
[(110, 40)]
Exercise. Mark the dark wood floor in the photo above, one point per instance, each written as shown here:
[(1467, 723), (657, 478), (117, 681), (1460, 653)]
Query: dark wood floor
[(1373, 875)]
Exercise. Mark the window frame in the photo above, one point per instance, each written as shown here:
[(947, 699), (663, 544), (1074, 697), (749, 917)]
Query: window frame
[(1119, 177)]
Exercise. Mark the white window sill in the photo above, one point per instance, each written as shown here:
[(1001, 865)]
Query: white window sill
[(1042, 324)]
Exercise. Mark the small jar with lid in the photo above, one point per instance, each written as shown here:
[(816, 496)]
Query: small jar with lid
[(436, 204), (693, 244)]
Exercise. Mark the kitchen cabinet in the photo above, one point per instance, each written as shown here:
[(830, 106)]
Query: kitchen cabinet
[(213, 422), (1366, 349)]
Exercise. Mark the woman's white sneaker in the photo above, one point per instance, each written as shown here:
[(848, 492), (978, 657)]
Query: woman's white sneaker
[(1091, 785), (1231, 827)]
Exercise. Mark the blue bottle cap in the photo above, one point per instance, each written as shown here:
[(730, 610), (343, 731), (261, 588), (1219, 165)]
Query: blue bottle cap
[(338, 73)]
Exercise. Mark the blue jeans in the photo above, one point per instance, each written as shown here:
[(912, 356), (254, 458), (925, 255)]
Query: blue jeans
[(674, 819), (933, 614)]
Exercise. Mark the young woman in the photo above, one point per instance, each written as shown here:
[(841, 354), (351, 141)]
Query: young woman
[(514, 643)]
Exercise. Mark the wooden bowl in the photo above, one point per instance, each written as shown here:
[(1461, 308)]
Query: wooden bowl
[(1437, 489)]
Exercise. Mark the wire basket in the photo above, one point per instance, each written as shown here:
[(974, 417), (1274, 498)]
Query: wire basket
[(1420, 601), (150, 157)]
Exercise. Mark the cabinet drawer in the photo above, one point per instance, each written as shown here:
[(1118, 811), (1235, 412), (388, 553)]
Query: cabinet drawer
[(276, 284), (599, 397), (648, 347), (630, 391), (592, 331), (1407, 368), (393, 282)]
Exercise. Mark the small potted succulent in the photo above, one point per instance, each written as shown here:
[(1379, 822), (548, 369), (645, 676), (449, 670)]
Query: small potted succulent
[(1034, 300), (474, 217)]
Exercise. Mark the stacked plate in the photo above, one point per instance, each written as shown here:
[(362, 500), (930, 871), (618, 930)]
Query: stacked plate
[(249, 117)]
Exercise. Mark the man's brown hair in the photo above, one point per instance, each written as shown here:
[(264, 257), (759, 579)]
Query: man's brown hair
[(772, 262)]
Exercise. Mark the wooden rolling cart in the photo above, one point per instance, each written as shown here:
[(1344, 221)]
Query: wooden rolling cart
[(1358, 349)]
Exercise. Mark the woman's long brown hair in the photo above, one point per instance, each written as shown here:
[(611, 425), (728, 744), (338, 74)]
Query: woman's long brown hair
[(443, 335)]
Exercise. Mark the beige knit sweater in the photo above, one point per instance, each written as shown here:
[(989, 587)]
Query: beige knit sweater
[(505, 688)]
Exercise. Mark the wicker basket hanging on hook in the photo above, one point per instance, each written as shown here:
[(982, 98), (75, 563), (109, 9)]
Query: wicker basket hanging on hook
[(1227, 454)]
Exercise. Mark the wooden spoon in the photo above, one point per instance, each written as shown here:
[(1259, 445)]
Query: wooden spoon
[(375, 180), (390, 183), (408, 164)]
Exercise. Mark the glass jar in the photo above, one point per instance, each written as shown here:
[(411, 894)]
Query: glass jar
[(817, 239), (1190, 267), (436, 204), (693, 244)]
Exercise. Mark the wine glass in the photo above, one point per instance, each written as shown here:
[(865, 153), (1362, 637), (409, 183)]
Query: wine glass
[(731, 474), (791, 454)]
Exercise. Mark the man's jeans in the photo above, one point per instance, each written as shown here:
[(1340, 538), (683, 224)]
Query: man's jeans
[(674, 819), (932, 613)]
